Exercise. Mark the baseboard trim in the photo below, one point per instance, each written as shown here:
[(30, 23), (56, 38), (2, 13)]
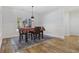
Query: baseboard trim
[(10, 36), (61, 37)]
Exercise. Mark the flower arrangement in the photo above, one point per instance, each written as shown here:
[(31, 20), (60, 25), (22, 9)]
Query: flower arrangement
[(18, 22)]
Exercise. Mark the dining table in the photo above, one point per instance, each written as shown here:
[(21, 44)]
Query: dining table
[(27, 30)]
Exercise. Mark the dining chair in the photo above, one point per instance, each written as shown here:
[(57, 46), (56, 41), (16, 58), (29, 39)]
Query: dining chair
[(41, 31), (36, 33), (21, 34)]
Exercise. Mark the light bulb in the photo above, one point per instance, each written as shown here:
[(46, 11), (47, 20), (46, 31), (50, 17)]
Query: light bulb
[(17, 30)]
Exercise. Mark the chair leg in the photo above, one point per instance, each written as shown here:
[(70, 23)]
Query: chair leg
[(26, 38), (34, 36), (20, 37), (39, 36), (31, 36), (42, 34)]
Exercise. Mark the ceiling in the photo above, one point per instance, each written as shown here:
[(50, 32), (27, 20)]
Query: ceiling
[(45, 9), (37, 9)]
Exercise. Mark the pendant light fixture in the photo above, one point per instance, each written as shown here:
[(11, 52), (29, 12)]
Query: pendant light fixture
[(32, 17)]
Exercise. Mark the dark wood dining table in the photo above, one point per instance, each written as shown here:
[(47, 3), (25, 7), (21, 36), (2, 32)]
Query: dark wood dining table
[(28, 30)]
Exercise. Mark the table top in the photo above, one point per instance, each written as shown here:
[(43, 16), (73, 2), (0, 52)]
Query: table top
[(28, 29)]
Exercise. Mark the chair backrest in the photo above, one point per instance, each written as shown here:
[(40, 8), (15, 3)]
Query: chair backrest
[(21, 31), (37, 30)]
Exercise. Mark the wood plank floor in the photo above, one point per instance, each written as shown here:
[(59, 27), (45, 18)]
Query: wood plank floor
[(68, 45), (6, 46)]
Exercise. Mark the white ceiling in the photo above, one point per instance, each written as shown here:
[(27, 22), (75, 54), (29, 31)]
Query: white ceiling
[(37, 9), (45, 9)]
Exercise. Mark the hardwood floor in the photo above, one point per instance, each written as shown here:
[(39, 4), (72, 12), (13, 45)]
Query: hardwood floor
[(0, 50), (72, 42), (55, 45), (6, 46)]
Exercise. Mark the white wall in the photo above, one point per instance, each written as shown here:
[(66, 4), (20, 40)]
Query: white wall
[(71, 22), (10, 18), (66, 23), (57, 22), (0, 26), (74, 22), (54, 23), (8, 22)]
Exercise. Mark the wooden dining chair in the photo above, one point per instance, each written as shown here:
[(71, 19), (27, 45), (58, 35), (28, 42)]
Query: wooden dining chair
[(41, 32), (36, 33), (21, 33)]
